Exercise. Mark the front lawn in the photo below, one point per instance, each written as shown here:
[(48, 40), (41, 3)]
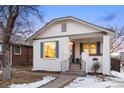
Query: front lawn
[(27, 78)]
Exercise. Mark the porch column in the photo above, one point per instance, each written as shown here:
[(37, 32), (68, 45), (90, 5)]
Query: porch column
[(106, 55)]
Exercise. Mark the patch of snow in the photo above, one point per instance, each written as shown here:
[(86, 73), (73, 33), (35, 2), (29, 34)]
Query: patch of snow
[(1, 72), (96, 82), (45, 80), (122, 70), (117, 74)]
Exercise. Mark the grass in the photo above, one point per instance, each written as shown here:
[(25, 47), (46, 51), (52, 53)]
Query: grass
[(23, 75)]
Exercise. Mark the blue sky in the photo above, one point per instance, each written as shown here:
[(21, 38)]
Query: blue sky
[(107, 16)]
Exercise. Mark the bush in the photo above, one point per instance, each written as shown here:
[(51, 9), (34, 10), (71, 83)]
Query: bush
[(95, 67)]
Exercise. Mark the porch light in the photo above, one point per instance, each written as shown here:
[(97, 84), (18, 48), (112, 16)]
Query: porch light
[(71, 43)]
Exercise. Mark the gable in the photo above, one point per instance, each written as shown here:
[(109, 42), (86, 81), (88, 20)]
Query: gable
[(72, 28)]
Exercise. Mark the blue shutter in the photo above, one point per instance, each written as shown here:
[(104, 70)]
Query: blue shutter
[(41, 49), (57, 49), (98, 48)]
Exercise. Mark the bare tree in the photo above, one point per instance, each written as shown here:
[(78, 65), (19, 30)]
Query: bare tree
[(118, 40), (15, 20)]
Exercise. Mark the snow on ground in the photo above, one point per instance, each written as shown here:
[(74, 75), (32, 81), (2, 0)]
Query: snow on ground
[(45, 80), (117, 74), (97, 82)]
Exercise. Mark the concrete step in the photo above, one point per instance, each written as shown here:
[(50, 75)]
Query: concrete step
[(74, 68), (75, 65), (76, 73)]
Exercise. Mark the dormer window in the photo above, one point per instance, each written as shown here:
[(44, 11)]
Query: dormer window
[(63, 27)]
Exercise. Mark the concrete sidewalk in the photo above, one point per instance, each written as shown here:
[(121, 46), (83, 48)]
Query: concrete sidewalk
[(60, 82)]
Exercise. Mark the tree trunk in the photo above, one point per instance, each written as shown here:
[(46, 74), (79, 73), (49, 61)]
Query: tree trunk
[(7, 72), (7, 68)]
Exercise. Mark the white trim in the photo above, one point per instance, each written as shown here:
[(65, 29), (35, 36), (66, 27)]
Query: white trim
[(20, 50)]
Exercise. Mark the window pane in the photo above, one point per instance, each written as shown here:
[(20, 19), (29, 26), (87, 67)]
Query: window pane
[(86, 48), (93, 48), (50, 50), (17, 49)]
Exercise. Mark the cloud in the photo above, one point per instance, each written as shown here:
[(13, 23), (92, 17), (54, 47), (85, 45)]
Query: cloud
[(109, 17)]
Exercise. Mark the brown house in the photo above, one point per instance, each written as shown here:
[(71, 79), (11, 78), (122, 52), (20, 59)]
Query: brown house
[(22, 55), (21, 52)]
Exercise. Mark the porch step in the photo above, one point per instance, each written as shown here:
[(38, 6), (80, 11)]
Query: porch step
[(75, 70), (81, 73), (75, 67)]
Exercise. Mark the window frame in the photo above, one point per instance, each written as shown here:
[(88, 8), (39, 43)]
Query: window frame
[(44, 50), (64, 27), (20, 50), (89, 47)]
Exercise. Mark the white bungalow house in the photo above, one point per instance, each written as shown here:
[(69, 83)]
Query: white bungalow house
[(67, 37)]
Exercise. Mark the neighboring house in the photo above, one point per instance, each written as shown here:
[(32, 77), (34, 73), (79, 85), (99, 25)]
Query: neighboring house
[(21, 52), (122, 58), (66, 37)]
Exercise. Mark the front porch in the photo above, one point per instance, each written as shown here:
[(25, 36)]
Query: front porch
[(91, 48)]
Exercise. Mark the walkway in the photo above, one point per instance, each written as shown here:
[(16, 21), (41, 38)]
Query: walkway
[(60, 82), (66, 77)]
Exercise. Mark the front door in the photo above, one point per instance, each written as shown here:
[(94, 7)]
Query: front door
[(74, 59)]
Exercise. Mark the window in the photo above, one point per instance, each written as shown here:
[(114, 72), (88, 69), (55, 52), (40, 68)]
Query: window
[(17, 50), (49, 50), (63, 27), (90, 48)]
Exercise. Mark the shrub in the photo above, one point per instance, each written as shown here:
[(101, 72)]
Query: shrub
[(95, 67)]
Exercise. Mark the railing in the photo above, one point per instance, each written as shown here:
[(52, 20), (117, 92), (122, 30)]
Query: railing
[(65, 64), (83, 65)]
